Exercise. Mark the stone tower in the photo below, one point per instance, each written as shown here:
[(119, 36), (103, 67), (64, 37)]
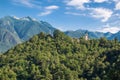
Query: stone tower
[(86, 36)]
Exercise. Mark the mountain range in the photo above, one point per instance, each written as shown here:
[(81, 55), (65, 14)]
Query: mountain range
[(15, 30), (93, 35)]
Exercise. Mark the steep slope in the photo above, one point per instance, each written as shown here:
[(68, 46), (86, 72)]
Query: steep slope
[(59, 57), (8, 35), (16, 30), (27, 27)]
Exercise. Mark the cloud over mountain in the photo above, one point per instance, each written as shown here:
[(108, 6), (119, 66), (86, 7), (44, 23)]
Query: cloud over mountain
[(101, 13), (48, 10)]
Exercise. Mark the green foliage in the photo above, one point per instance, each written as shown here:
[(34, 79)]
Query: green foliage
[(59, 57)]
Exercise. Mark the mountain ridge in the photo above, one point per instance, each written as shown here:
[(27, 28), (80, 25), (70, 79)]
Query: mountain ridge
[(92, 34), (20, 30), (14, 30)]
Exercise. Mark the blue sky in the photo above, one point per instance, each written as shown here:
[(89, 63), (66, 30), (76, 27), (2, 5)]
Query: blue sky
[(94, 15)]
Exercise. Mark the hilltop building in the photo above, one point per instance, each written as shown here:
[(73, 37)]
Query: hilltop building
[(86, 36)]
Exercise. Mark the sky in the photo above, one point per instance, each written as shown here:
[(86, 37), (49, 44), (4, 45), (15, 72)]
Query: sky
[(93, 15)]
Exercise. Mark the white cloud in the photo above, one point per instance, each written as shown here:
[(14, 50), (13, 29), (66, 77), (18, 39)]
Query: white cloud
[(117, 15), (116, 0), (27, 3), (78, 4), (45, 13), (36, 4), (108, 28), (111, 29), (51, 7), (101, 13), (74, 13), (117, 4), (100, 1), (117, 7), (48, 10), (16, 17)]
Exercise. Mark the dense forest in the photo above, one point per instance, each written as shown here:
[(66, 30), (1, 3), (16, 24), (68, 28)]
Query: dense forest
[(60, 57)]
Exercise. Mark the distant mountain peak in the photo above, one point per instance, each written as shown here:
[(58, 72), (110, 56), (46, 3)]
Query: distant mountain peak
[(15, 29), (26, 18), (16, 17)]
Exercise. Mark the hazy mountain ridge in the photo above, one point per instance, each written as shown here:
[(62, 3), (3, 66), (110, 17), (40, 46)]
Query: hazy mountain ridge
[(116, 35), (93, 35)]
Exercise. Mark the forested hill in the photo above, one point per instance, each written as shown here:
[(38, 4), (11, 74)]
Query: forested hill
[(59, 57)]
